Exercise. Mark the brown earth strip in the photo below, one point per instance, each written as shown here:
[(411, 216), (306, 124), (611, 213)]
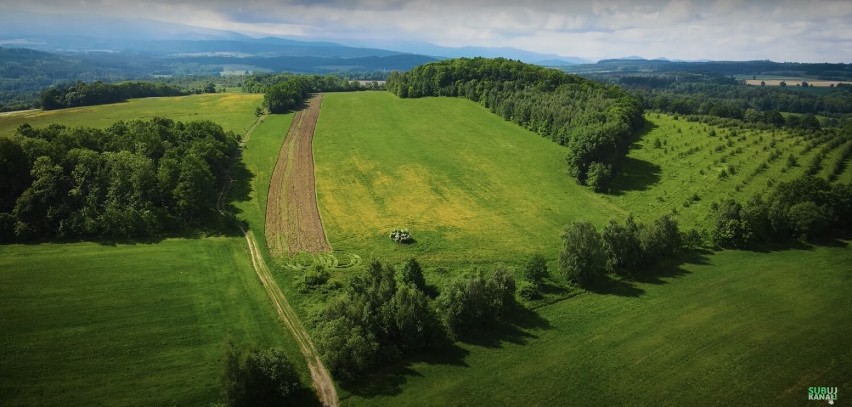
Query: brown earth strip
[(293, 223)]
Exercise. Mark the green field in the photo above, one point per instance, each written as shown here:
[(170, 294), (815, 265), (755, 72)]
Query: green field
[(688, 162), (144, 324), (732, 328), (471, 187), (140, 324), (475, 188), (233, 111), (728, 328)]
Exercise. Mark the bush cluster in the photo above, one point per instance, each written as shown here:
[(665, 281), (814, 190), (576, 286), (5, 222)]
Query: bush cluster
[(588, 255), (259, 378), (383, 315), (401, 236), (804, 208)]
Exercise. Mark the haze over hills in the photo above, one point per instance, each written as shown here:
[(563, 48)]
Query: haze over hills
[(60, 33)]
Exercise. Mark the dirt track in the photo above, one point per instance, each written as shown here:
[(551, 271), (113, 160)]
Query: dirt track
[(293, 222), (320, 377)]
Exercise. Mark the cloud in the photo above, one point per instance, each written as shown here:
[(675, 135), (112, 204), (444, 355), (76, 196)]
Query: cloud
[(804, 30)]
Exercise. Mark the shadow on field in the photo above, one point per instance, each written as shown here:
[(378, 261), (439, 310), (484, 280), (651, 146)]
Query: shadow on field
[(389, 381), (635, 174), (514, 329), (658, 274)]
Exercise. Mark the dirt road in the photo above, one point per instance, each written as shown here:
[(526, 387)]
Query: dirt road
[(293, 223), (320, 377)]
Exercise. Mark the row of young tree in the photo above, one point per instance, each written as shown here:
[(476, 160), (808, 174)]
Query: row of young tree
[(134, 179), (587, 255), (595, 121), (383, 315), (805, 208), (99, 93)]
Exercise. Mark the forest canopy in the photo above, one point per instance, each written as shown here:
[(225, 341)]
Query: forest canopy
[(595, 121), (134, 179)]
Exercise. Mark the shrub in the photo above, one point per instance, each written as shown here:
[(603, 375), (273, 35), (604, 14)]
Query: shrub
[(622, 246), (412, 274), (535, 270), (582, 259), (316, 276), (261, 378), (472, 301), (528, 291), (401, 236)]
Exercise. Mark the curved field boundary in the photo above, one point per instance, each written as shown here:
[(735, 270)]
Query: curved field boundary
[(293, 223)]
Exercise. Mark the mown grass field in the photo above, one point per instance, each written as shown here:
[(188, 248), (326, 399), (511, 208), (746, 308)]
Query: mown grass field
[(471, 187), (233, 111), (142, 324), (731, 328)]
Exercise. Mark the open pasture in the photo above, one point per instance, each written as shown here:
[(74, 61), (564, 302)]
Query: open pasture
[(139, 324), (233, 111)]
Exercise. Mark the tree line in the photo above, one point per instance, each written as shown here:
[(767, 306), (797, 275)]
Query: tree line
[(286, 92), (133, 179), (594, 120), (804, 209), (588, 256), (99, 93), (384, 315), (704, 94)]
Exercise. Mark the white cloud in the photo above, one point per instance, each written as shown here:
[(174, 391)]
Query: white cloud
[(809, 30)]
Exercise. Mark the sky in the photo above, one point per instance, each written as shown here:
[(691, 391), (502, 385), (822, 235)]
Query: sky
[(799, 30)]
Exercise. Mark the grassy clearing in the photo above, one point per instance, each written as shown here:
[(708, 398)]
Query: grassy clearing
[(470, 186), (141, 324), (731, 328), (233, 111)]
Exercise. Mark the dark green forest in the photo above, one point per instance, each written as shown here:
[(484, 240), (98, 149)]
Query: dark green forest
[(597, 122), (134, 179), (285, 92), (99, 93)]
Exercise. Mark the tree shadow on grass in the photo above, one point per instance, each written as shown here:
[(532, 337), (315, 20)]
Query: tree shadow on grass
[(635, 174), (513, 329), (390, 380), (659, 273)]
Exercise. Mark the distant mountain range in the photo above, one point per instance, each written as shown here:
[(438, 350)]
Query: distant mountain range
[(91, 34)]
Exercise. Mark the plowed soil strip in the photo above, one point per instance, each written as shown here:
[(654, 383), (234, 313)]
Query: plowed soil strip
[(293, 222)]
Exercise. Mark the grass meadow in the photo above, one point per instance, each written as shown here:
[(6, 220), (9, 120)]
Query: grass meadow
[(233, 111), (140, 324), (145, 324), (128, 324), (471, 187), (730, 328)]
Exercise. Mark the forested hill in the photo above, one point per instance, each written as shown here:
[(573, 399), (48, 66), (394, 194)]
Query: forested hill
[(595, 121)]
